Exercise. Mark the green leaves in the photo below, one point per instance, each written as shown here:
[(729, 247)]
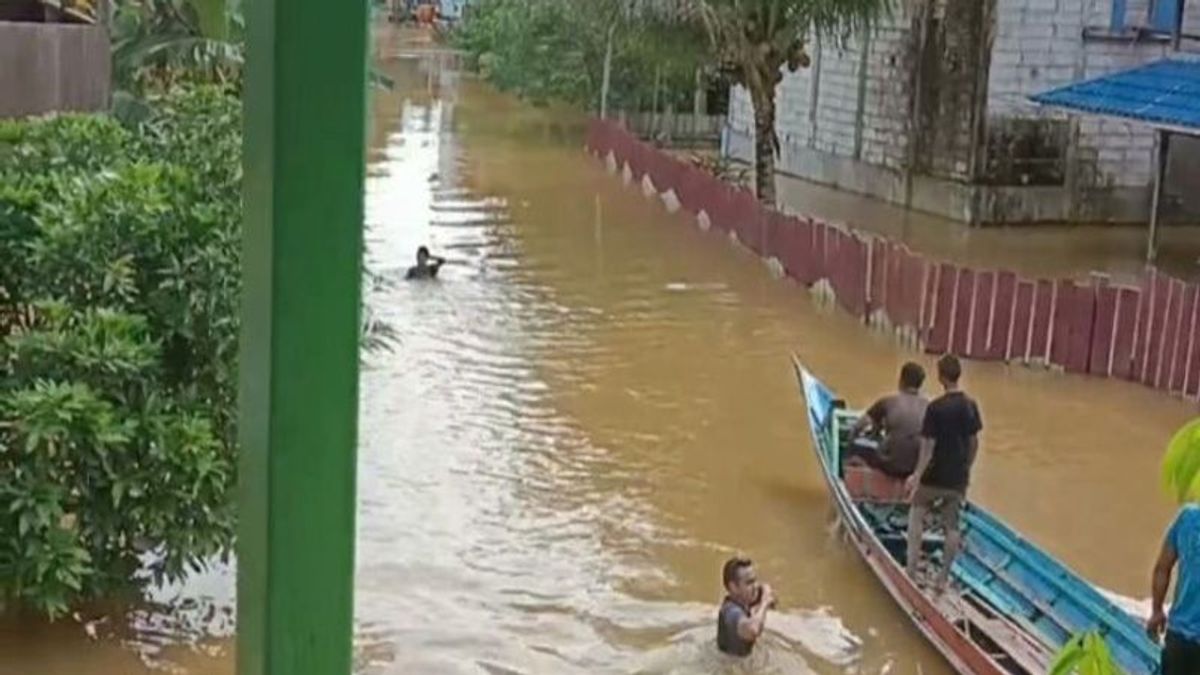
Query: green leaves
[(118, 345), (1085, 654), (553, 50)]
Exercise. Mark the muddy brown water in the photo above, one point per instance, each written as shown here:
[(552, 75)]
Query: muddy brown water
[(592, 409)]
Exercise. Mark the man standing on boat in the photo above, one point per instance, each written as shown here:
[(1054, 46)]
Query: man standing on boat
[(949, 442), (743, 614), (1181, 646), (898, 417)]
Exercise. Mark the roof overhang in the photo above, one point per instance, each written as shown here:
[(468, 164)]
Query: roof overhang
[(1164, 95)]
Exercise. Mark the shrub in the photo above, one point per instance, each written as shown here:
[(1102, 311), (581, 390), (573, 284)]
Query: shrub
[(118, 334)]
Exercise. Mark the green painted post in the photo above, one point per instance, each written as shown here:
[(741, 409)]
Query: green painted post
[(302, 256)]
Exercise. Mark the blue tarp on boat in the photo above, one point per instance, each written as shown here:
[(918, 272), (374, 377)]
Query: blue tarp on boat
[(1164, 94)]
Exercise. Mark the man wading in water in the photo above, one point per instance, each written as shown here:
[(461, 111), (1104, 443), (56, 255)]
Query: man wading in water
[(743, 614), (1180, 550), (427, 265)]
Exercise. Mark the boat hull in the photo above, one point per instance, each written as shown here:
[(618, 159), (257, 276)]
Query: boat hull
[(1011, 607)]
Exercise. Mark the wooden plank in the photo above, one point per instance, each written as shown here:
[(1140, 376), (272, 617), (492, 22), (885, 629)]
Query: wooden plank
[(1103, 330), (1043, 312), (938, 340), (1183, 342), (1003, 301), (1125, 332), (1013, 639), (982, 308), (1191, 380), (1156, 328), (963, 307), (1173, 319), (1022, 322)]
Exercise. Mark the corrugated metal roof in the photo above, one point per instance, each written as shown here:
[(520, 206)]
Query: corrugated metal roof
[(1163, 94)]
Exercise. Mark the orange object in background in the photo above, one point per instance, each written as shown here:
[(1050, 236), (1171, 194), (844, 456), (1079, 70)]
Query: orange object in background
[(426, 14)]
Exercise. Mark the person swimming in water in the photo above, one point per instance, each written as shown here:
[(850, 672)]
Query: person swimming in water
[(427, 265)]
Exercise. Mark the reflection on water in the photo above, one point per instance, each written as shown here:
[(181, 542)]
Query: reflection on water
[(593, 407)]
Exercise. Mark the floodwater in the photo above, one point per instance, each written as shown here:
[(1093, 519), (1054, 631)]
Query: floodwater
[(593, 408), (1034, 250)]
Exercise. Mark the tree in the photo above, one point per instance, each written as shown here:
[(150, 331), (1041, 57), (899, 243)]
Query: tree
[(601, 55), (1181, 464), (755, 39)]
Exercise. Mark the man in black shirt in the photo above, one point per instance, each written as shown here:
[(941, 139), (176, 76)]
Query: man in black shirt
[(949, 442), (743, 614)]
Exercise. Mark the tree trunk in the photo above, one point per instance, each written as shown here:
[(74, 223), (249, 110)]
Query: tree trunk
[(654, 116), (764, 145), (607, 77)]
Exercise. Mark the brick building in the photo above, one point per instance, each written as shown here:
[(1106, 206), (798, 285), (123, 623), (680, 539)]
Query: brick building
[(931, 110)]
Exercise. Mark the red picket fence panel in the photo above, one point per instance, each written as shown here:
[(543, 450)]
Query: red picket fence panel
[(1022, 327), (1001, 318), (1071, 331), (1191, 376), (941, 316), (981, 315), (1183, 333), (807, 268), (877, 274), (776, 228), (747, 220), (857, 259), (1104, 329), (1043, 312), (960, 325), (913, 272)]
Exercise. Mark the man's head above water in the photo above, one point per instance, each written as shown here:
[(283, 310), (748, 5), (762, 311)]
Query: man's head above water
[(422, 255), (741, 580)]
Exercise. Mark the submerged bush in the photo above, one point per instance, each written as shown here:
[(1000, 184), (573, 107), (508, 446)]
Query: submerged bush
[(118, 334)]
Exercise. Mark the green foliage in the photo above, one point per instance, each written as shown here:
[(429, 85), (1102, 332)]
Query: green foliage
[(160, 44), (1181, 464), (547, 50), (118, 338), (1085, 654)]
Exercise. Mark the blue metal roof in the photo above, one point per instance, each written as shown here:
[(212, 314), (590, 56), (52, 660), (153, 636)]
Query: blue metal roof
[(1163, 94)]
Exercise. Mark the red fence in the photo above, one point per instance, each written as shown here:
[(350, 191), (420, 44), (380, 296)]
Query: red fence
[(1148, 333)]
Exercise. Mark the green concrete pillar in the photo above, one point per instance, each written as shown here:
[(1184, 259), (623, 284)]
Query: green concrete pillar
[(302, 255)]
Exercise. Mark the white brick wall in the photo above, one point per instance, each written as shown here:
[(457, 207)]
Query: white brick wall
[(1039, 45), (833, 80)]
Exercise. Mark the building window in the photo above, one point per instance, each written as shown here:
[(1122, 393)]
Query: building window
[(1164, 14)]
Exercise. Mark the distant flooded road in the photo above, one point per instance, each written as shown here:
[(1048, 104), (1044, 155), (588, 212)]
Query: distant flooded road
[(593, 407)]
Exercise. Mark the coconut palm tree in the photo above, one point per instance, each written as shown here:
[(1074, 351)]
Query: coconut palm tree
[(755, 39)]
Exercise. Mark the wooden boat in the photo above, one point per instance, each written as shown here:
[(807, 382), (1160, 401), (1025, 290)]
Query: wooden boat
[(1009, 608)]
